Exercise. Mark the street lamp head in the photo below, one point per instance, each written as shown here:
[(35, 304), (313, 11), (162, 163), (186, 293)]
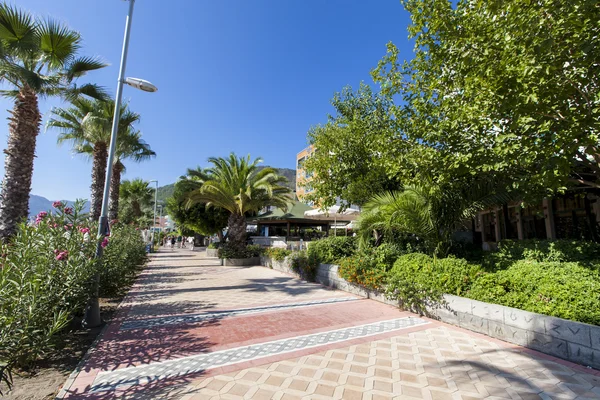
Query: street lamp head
[(141, 84)]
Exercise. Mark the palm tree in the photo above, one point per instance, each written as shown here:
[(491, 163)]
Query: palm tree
[(236, 185), (136, 196), (428, 210), (129, 146), (87, 126), (38, 57)]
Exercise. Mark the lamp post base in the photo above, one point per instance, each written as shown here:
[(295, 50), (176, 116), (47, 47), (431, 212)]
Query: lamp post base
[(92, 318)]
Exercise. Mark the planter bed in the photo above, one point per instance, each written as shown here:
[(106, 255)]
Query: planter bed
[(212, 252)]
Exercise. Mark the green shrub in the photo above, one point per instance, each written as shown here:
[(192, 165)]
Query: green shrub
[(214, 245), (254, 250), (300, 262), (228, 250), (330, 250), (47, 274), (564, 290), (417, 279), (277, 254), (509, 251), (363, 269), (123, 257)]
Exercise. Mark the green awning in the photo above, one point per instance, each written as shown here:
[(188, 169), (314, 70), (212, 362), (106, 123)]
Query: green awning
[(294, 213)]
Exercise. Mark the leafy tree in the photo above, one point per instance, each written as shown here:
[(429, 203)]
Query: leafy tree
[(136, 200), (353, 149), (38, 57), (235, 185), (197, 218), (428, 210), (505, 87), (87, 125)]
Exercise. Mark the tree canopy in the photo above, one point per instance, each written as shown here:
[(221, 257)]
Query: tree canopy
[(354, 149), (502, 88)]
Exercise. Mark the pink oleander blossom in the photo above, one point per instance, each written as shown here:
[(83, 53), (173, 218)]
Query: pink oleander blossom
[(61, 255), (68, 210), (104, 242), (84, 230), (57, 204)]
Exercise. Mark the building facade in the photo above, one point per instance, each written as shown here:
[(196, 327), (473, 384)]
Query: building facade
[(302, 178)]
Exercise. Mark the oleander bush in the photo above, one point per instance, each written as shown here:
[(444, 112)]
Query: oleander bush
[(47, 273), (364, 270), (332, 249), (123, 258), (560, 289)]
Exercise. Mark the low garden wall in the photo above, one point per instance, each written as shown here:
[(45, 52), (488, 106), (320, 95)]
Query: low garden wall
[(212, 252), (569, 340), (241, 262)]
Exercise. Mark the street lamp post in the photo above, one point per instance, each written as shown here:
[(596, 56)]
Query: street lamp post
[(92, 313), (154, 216)]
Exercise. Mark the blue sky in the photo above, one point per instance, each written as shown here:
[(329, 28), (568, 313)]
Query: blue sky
[(233, 75)]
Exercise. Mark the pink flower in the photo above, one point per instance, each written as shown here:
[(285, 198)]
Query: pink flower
[(55, 226), (40, 217), (68, 210), (62, 255), (67, 227), (84, 230), (104, 242), (57, 204)]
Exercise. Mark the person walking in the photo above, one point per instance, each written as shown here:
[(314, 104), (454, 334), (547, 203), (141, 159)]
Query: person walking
[(173, 240), (191, 242)]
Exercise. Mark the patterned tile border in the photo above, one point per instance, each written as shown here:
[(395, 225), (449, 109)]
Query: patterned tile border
[(110, 380), (192, 318)]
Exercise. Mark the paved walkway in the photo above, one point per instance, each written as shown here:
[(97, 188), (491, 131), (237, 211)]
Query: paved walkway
[(192, 329)]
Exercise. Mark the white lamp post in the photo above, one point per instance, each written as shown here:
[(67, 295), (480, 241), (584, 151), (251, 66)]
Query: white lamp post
[(92, 312), (154, 215)]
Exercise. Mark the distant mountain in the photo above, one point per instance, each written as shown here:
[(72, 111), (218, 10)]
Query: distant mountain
[(39, 203), (164, 192)]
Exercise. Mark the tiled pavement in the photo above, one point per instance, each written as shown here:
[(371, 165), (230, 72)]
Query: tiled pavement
[(191, 329)]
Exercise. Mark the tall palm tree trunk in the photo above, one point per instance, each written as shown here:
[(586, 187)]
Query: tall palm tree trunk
[(237, 230), (98, 178), (23, 129), (115, 185)]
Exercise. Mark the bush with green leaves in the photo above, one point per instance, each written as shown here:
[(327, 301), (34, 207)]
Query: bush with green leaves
[(230, 250), (123, 257), (564, 290), (364, 270), (303, 265), (332, 249), (583, 252), (277, 254), (214, 245), (47, 274), (417, 280)]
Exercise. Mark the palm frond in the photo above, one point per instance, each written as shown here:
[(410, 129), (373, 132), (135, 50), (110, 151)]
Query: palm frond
[(58, 43)]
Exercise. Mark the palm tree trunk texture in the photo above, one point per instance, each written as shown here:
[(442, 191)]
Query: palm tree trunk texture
[(98, 178), (237, 230), (23, 128), (115, 185)]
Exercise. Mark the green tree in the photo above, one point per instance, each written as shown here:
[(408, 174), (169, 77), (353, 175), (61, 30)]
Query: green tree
[(136, 200), (235, 184), (87, 125), (353, 149), (197, 218), (38, 57), (428, 210), (505, 87)]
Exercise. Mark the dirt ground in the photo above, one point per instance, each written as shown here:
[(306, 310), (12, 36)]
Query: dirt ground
[(46, 379)]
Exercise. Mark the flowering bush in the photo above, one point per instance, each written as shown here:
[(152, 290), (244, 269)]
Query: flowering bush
[(46, 275), (364, 270)]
